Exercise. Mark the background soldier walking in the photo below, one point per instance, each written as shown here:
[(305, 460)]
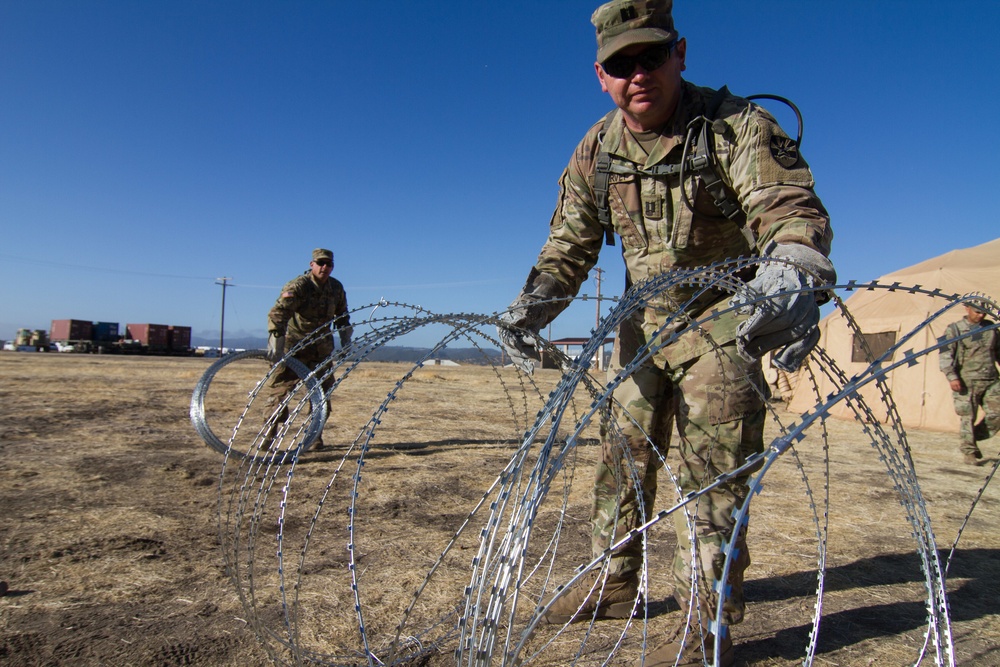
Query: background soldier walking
[(970, 364), (312, 300)]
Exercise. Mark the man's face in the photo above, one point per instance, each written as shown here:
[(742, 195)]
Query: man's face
[(320, 269), (646, 98), (973, 315)]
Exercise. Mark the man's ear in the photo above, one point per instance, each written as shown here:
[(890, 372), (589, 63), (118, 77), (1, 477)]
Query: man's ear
[(600, 76)]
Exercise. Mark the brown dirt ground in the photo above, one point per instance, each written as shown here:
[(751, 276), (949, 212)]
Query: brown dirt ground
[(111, 547)]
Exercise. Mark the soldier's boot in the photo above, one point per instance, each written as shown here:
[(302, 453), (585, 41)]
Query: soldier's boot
[(590, 598), (319, 446), (275, 423), (684, 648), (973, 458), (267, 442)]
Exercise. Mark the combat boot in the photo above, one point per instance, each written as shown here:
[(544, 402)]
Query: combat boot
[(590, 598), (269, 439), (973, 458), (691, 653)]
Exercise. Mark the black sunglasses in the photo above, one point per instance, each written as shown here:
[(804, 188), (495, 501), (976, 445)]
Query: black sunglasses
[(323, 262), (621, 67)]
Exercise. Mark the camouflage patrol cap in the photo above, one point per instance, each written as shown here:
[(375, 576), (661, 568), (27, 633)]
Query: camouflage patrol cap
[(322, 253), (978, 305), (623, 23)]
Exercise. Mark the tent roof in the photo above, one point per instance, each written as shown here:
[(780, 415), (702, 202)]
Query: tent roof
[(965, 270), (984, 256), (961, 271)]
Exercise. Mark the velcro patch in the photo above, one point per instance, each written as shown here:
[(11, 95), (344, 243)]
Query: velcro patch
[(778, 161), (784, 151), (652, 208)]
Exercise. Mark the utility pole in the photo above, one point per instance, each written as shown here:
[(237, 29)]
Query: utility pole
[(597, 322), (222, 324)]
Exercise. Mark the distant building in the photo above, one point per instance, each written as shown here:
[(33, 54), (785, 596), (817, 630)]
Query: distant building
[(441, 362), (600, 358)]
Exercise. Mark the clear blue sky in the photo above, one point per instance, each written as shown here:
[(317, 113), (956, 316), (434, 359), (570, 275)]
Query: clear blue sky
[(149, 147)]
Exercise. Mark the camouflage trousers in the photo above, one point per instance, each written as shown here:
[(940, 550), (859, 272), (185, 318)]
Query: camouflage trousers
[(978, 394), (715, 404), (285, 380)]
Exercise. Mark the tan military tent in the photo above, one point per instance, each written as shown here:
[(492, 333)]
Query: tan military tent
[(921, 393)]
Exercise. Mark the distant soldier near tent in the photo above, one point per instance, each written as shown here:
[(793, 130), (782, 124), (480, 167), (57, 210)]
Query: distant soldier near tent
[(313, 300), (970, 364)]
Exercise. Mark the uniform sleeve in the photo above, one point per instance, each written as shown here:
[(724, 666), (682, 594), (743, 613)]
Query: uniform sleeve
[(343, 318), (947, 354), (773, 182), (996, 347), (284, 308), (575, 233)]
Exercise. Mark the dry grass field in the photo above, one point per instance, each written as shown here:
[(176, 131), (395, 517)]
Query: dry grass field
[(113, 552)]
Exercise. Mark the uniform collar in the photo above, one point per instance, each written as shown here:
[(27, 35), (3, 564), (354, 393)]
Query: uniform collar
[(317, 283)]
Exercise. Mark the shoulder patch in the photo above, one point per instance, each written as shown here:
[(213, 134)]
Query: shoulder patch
[(784, 151)]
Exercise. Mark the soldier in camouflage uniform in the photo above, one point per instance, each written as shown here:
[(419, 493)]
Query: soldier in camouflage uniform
[(970, 364), (314, 299), (708, 387)]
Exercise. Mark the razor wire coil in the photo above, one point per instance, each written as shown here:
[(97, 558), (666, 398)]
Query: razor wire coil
[(199, 417), (512, 569)]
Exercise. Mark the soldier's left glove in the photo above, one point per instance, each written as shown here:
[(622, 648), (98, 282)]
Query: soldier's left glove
[(275, 347), (787, 320), (345, 341), (345, 335), (527, 315)]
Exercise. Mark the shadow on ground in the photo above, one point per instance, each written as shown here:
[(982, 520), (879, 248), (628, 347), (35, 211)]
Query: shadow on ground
[(973, 574)]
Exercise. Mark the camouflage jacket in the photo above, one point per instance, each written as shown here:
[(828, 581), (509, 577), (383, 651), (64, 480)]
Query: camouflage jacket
[(658, 231), (972, 358), (304, 305)]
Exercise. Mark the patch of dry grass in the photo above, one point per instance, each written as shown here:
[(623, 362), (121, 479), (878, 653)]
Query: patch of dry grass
[(110, 538)]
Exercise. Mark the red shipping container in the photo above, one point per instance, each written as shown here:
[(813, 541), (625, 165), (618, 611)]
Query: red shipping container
[(153, 335), (63, 330), (180, 337)]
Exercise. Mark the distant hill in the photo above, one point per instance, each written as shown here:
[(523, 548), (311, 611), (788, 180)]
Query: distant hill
[(461, 355)]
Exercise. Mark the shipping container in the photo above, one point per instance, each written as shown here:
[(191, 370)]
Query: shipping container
[(180, 337), (64, 330), (155, 336), (105, 332)]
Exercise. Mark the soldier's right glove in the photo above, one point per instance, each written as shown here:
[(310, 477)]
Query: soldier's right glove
[(787, 320), (275, 347), (527, 315)]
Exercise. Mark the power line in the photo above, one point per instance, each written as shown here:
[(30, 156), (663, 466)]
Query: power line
[(99, 269)]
